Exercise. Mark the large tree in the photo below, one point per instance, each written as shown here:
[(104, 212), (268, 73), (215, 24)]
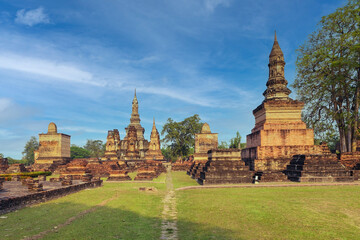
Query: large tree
[(328, 76), (30, 147), (180, 136), (95, 147), (79, 152)]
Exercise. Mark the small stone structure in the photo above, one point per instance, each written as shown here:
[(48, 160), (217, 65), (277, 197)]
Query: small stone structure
[(76, 169), (225, 166), (181, 165), (150, 170), (350, 159), (4, 165), (204, 141), (154, 152), (1, 183), (112, 145), (34, 185), (16, 168), (54, 149), (119, 175)]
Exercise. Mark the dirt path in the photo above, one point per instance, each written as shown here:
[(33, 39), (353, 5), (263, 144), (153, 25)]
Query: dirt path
[(169, 214), (70, 220)]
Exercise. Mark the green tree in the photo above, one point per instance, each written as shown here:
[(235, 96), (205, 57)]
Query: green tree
[(328, 76), (95, 147), (180, 136), (78, 152), (235, 142), (30, 147), (223, 145)]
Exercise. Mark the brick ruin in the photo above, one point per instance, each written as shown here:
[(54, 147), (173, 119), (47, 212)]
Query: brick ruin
[(279, 132), (204, 141), (54, 150), (154, 152), (225, 166), (16, 168), (149, 170), (279, 148), (134, 147), (4, 165)]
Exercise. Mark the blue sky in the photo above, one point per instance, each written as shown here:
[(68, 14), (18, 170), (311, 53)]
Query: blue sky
[(77, 63)]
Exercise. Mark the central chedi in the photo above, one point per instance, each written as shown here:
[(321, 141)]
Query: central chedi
[(134, 147), (279, 132)]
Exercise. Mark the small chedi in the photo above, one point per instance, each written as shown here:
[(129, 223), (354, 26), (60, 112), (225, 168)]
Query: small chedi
[(54, 149), (279, 132), (204, 141), (134, 147), (112, 145), (154, 152)]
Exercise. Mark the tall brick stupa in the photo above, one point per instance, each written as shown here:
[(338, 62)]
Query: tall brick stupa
[(279, 132)]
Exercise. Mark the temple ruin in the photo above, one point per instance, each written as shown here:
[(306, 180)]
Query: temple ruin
[(279, 132), (54, 149), (134, 147)]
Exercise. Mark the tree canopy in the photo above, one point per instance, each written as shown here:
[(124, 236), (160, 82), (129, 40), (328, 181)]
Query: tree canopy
[(328, 76), (30, 147), (78, 152), (180, 136), (235, 142), (95, 147)]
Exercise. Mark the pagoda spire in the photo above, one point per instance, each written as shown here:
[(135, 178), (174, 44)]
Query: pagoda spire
[(135, 118), (276, 84), (154, 130)]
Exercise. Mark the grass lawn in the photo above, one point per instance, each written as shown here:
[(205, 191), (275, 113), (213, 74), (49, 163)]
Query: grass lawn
[(132, 214), (320, 212), (269, 213)]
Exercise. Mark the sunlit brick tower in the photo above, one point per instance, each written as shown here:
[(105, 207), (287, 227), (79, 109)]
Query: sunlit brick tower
[(279, 132), (154, 152), (141, 145)]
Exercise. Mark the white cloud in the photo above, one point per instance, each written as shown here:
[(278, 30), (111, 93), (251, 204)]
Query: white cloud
[(31, 17), (210, 5), (46, 68)]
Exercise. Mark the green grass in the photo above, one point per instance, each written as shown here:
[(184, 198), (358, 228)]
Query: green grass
[(270, 213), (133, 214), (230, 213), (132, 175), (181, 179)]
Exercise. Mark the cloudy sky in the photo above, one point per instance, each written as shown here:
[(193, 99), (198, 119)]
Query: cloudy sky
[(77, 63)]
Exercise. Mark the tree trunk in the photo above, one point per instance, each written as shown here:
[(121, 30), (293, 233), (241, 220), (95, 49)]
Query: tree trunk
[(342, 138)]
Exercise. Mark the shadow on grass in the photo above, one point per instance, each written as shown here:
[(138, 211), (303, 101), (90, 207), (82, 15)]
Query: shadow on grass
[(113, 221)]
